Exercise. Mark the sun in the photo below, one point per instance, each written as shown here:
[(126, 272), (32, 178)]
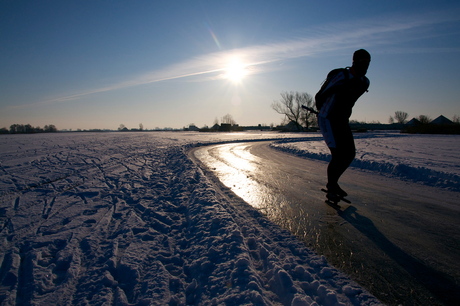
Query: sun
[(236, 70)]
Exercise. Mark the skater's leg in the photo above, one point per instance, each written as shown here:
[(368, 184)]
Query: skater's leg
[(340, 161), (342, 155), (339, 139)]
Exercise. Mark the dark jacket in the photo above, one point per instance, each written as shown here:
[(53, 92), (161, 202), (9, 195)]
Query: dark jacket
[(339, 93)]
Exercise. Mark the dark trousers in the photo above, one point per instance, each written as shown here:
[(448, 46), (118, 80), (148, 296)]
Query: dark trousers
[(339, 139)]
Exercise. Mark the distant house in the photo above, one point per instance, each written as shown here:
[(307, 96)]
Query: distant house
[(215, 127), (225, 127), (413, 122), (291, 127), (441, 120), (192, 127), (440, 125)]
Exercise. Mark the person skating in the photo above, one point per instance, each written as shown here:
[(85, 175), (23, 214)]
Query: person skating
[(335, 101)]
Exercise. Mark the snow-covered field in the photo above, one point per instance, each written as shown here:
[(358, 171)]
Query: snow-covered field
[(129, 219)]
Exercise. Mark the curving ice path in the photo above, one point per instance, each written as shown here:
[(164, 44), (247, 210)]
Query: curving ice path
[(400, 240)]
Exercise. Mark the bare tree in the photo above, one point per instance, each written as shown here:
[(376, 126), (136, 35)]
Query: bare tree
[(424, 119), (400, 117), (290, 106), (228, 119), (308, 117), (50, 128)]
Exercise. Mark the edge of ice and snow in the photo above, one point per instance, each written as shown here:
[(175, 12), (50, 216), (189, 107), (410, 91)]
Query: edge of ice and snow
[(397, 167), (132, 220)]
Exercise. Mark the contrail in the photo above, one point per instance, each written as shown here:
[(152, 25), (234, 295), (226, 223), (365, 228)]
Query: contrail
[(387, 30)]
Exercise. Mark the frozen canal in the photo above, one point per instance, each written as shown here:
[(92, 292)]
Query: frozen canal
[(399, 239)]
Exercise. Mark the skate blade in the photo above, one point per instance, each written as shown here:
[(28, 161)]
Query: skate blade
[(333, 204), (334, 197)]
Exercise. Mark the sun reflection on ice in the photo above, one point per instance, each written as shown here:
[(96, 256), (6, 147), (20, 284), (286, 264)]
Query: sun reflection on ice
[(237, 169), (258, 184)]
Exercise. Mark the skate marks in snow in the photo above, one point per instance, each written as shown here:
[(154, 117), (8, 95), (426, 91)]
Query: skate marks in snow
[(55, 234), (128, 219)]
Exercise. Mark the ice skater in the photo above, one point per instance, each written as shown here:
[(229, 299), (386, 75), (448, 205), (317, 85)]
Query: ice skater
[(335, 101)]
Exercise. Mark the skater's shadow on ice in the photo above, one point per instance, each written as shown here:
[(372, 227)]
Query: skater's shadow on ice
[(439, 284)]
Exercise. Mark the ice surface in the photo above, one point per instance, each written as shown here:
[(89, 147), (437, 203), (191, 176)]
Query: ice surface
[(429, 159), (129, 219)]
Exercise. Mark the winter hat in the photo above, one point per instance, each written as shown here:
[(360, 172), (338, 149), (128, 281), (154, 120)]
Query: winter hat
[(361, 54)]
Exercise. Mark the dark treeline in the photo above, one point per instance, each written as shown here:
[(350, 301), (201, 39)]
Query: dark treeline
[(28, 129), (433, 129)]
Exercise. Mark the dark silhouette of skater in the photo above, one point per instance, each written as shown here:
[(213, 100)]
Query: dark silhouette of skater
[(335, 101)]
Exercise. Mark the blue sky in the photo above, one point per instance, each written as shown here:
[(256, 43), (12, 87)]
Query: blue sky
[(99, 64)]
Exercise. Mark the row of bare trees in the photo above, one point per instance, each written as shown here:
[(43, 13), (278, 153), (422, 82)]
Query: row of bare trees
[(227, 119), (290, 105), (401, 118), (28, 129)]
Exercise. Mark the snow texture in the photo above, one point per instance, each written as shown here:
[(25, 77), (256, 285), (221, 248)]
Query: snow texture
[(129, 219), (433, 160)]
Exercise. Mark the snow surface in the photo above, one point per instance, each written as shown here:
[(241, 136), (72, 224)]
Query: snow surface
[(433, 160), (129, 219)]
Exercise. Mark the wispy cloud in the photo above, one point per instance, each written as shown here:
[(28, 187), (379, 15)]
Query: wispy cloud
[(368, 33)]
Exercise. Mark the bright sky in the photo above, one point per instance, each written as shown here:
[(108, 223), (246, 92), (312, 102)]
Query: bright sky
[(99, 64)]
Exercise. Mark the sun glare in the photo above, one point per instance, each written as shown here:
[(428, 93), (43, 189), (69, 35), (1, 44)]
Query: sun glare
[(236, 70)]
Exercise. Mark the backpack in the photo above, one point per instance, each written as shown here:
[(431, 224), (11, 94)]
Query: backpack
[(322, 94)]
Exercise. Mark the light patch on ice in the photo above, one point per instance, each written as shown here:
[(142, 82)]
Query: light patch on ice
[(236, 168)]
